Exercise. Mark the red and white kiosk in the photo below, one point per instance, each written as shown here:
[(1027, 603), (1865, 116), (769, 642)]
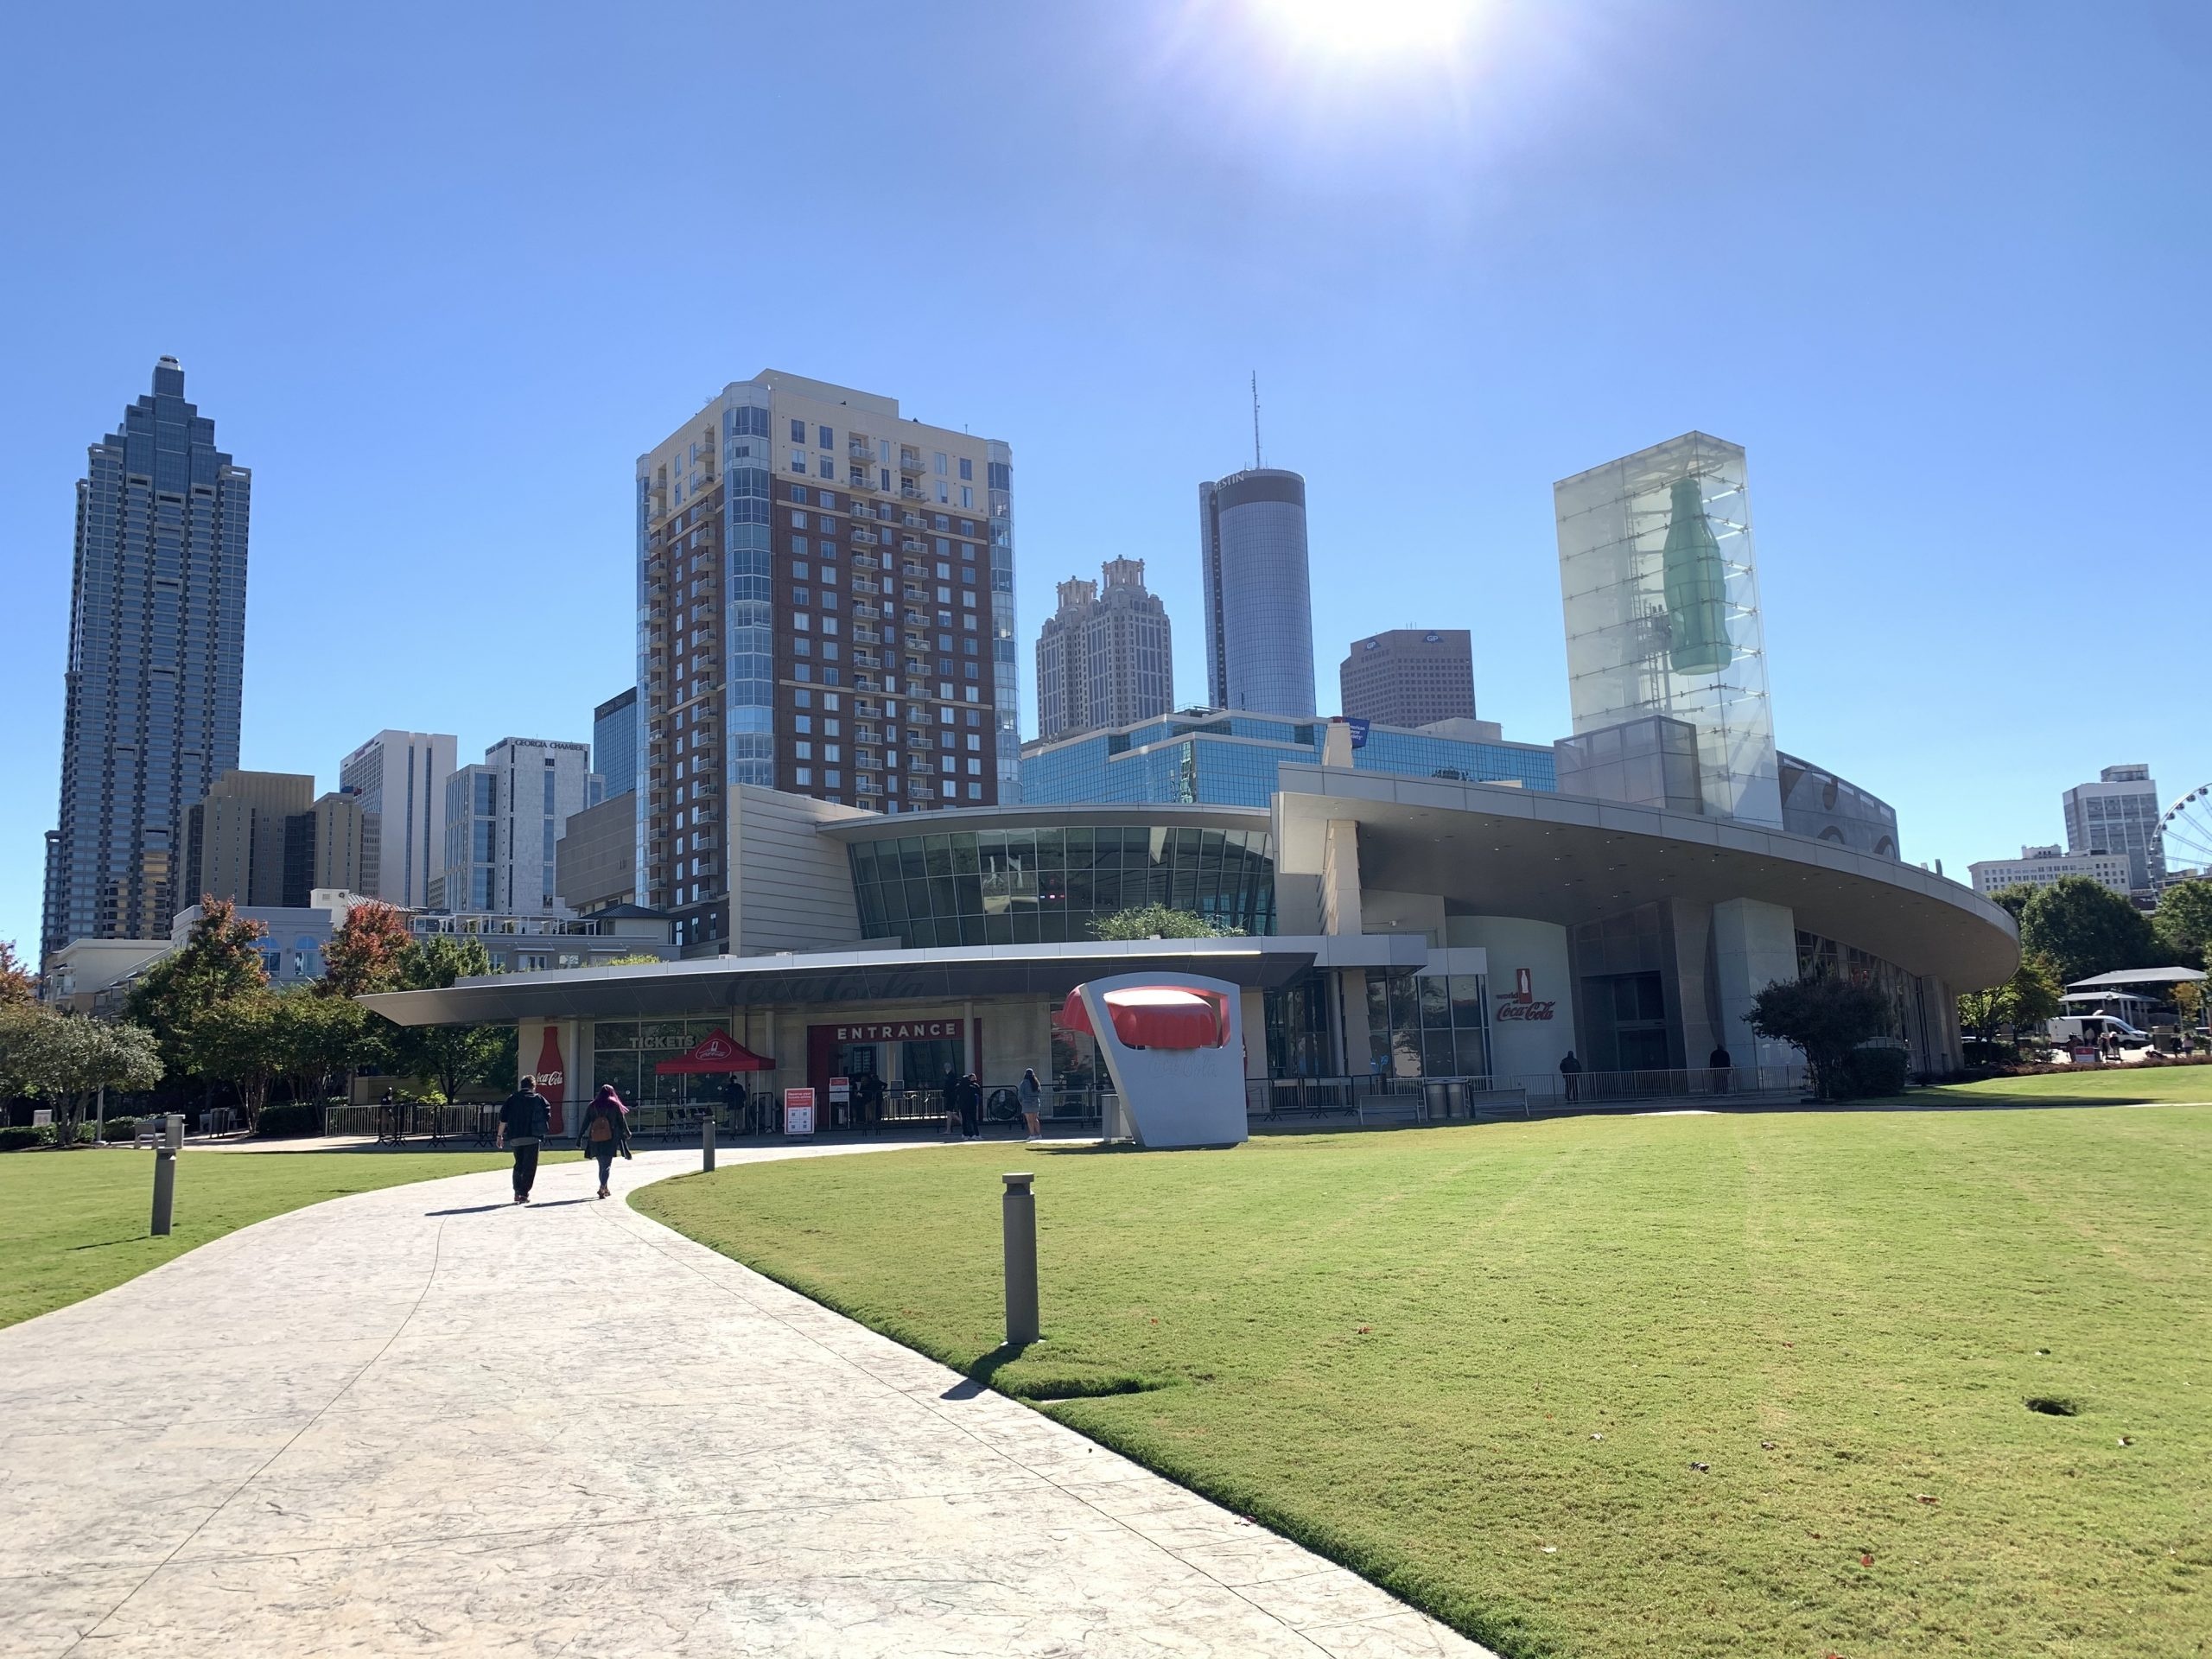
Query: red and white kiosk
[(1175, 1050)]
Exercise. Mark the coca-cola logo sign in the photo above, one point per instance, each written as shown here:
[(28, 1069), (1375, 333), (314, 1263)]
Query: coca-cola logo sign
[(1521, 1003)]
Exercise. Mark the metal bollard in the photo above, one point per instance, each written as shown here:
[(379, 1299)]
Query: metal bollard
[(165, 1171), (706, 1143), (1019, 1217)]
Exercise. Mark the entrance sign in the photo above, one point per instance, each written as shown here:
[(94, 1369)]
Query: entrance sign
[(799, 1111), (904, 1031), (840, 1091)]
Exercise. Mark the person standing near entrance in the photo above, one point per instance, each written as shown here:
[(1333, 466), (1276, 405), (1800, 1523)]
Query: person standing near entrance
[(1032, 1102), (1720, 1064), (605, 1131), (1570, 1072), (971, 1109), (735, 1099), (523, 1120), (951, 1094)]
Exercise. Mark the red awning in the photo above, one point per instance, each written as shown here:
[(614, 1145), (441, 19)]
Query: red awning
[(1156, 1016), (719, 1052)]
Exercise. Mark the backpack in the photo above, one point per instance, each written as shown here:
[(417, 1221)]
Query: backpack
[(600, 1128)]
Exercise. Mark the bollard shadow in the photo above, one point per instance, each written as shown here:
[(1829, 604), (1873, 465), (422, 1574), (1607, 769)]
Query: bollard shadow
[(472, 1209), (983, 1368)]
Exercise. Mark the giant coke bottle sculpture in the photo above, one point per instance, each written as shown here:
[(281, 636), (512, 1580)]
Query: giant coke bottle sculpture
[(1696, 586)]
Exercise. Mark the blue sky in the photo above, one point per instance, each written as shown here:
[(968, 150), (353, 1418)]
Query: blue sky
[(440, 275)]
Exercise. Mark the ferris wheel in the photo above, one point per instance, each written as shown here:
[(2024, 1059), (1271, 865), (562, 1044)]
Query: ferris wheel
[(2187, 828)]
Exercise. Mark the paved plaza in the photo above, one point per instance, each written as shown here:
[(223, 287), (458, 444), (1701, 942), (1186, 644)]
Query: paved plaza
[(423, 1421)]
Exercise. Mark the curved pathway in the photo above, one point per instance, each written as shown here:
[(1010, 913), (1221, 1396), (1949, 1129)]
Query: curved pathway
[(423, 1421)]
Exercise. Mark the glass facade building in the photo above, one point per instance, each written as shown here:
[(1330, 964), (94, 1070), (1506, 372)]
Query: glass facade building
[(1660, 590), (1231, 759), (1049, 885), (614, 743), (155, 661), (1259, 609)]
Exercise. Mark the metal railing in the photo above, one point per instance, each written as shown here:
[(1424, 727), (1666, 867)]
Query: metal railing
[(1388, 1098)]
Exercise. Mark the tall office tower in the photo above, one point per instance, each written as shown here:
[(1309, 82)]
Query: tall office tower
[(234, 838), (156, 651), (335, 843), (1410, 676), (1106, 658), (504, 817), (1259, 607), (401, 777), (2119, 813), (1660, 589), (825, 605), (614, 743)]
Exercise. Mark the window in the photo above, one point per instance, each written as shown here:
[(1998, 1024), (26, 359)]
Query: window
[(974, 740), (828, 467), (975, 792), (801, 596), (798, 521), (938, 463), (967, 469), (798, 432), (798, 462), (798, 568), (798, 493), (967, 494), (967, 528), (832, 751), (803, 722), (943, 492), (802, 775)]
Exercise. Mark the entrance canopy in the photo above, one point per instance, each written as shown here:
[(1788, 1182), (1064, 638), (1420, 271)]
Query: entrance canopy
[(719, 1051)]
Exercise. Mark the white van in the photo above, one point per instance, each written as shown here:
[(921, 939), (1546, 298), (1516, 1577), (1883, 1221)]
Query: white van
[(2094, 1028)]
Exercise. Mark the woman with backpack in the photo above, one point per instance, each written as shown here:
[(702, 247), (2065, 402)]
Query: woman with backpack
[(605, 1131)]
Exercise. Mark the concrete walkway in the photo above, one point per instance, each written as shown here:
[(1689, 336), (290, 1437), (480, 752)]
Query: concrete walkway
[(424, 1421)]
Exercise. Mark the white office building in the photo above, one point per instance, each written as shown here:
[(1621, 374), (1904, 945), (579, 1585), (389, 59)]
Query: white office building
[(2041, 866), (401, 776), (2119, 813), (504, 817)]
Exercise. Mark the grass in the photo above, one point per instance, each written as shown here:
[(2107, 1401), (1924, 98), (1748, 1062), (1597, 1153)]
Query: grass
[(74, 1223), (1744, 1384)]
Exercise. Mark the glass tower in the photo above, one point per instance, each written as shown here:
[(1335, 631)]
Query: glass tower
[(1660, 590), (614, 743), (157, 653), (1259, 611)]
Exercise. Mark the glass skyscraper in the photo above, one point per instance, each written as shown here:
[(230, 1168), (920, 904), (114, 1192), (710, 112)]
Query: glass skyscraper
[(156, 654), (614, 743), (1259, 610)]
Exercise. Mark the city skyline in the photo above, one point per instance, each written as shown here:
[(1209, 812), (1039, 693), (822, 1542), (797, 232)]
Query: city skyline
[(1135, 344)]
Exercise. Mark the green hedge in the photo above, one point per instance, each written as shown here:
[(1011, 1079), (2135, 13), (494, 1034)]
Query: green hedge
[(119, 1128), (1874, 1074), (21, 1137), (289, 1120)]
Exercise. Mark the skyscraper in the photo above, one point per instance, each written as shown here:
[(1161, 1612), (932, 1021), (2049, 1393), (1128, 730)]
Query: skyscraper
[(614, 743), (504, 819), (1259, 609), (401, 777), (157, 653), (1660, 593), (825, 606), (234, 838), (2119, 813), (1106, 658), (1410, 676)]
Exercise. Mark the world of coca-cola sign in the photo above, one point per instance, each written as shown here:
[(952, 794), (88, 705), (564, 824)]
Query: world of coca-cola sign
[(1521, 1002)]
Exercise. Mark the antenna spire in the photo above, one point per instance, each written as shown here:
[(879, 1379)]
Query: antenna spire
[(1255, 420)]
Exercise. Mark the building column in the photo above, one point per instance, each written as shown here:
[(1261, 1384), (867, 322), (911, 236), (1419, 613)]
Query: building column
[(1754, 945), (1340, 912)]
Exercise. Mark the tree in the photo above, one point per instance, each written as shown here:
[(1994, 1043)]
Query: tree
[(448, 1057), (2030, 997), (2084, 928), (2012, 900), (1826, 1016), (315, 1035), (1159, 922), (635, 959), (236, 1040), (66, 1059), (219, 959), (2188, 1001), (18, 986), (367, 951), (2184, 921)]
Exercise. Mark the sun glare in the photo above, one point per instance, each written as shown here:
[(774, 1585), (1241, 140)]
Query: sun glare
[(1367, 27)]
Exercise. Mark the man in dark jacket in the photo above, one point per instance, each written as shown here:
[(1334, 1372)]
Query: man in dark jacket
[(524, 1117), (950, 1093), (971, 1109)]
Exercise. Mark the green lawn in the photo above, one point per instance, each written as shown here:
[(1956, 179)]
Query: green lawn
[(72, 1224), (1746, 1384)]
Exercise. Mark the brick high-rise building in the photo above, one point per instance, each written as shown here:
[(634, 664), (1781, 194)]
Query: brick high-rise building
[(157, 656), (825, 603), (1106, 658), (1410, 676)]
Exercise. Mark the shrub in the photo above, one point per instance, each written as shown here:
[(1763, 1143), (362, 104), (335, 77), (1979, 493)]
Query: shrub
[(120, 1128), (290, 1120), (1873, 1073), (21, 1137)]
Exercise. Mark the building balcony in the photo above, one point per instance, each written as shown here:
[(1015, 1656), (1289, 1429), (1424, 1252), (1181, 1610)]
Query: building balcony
[(861, 450), (913, 546), (911, 492), (865, 538), (910, 461)]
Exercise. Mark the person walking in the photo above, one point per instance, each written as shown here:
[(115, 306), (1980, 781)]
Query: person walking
[(971, 1109), (1570, 1074), (605, 1131), (1032, 1102), (523, 1119)]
